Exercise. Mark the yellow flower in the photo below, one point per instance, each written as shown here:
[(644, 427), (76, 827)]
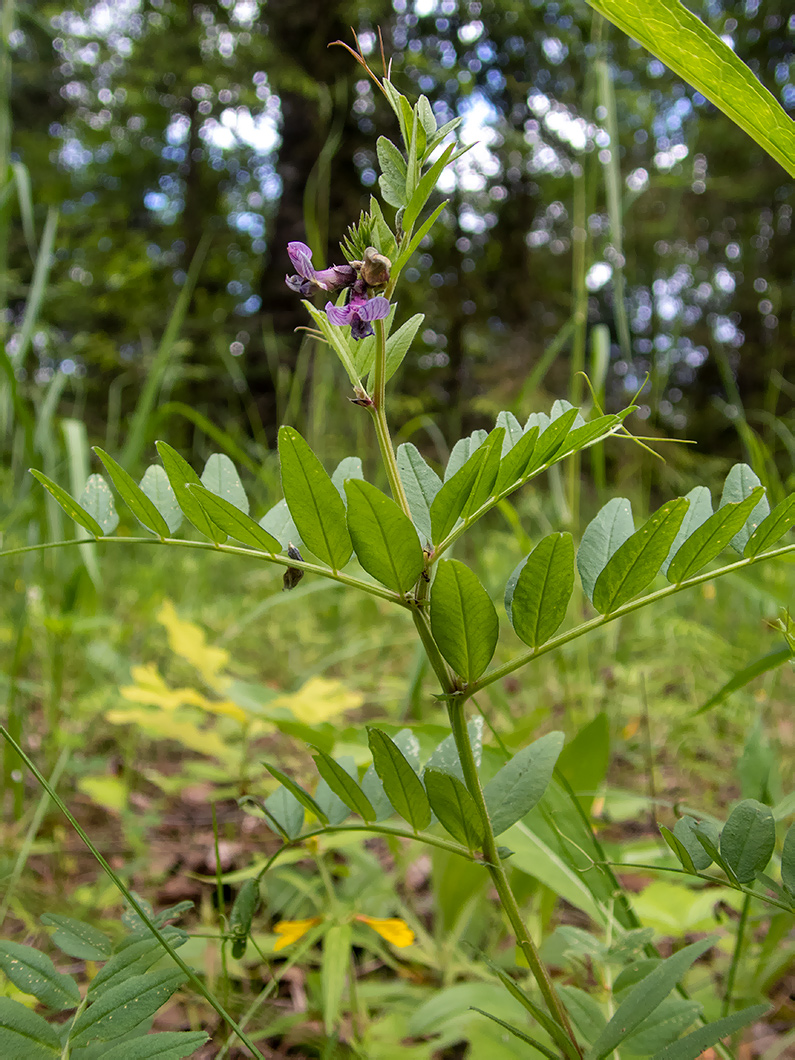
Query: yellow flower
[(292, 930), (393, 929)]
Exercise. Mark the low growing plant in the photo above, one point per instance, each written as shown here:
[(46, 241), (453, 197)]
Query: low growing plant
[(404, 543)]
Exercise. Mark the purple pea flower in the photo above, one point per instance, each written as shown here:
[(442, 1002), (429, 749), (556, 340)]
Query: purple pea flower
[(309, 280), (359, 313)]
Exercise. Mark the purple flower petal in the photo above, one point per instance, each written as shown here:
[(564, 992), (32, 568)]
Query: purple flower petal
[(374, 308), (339, 315), (301, 257)]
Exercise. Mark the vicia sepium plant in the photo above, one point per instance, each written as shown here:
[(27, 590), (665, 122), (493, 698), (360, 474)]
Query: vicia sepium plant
[(399, 546)]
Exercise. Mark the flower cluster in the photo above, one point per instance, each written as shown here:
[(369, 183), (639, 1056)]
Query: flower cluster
[(361, 306)]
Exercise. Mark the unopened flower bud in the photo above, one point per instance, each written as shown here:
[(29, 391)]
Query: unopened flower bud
[(375, 268)]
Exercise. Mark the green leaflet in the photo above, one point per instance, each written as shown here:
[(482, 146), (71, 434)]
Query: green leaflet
[(158, 489), (297, 792), (636, 562), (278, 521), (244, 908), (603, 536), (671, 1017), (343, 785), (747, 839), (425, 187), (398, 344), (487, 473), (740, 483), (284, 812), (421, 484), (462, 451), (522, 781), (97, 500), (349, 467), (684, 830), (118, 1010), (383, 536), (402, 786), (221, 478), (644, 998), (444, 758), (34, 973), (542, 591), (514, 465), (133, 496), (699, 511), (742, 677), (513, 430), (235, 522), (697, 1042), (467, 488), (682, 41), (180, 475), (313, 500), (25, 1034), (331, 805), (167, 1045), (69, 505), (551, 440), (463, 620), (77, 938), (773, 527), (711, 537), (393, 170), (455, 808)]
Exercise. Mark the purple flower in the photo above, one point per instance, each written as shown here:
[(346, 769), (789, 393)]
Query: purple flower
[(309, 280), (359, 313)]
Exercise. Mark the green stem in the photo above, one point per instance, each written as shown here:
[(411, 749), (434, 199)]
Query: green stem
[(602, 620), (497, 872), (378, 412), (735, 962), (232, 550), (130, 898)]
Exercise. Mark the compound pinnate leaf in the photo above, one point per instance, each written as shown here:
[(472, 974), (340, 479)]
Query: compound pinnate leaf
[(463, 620), (421, 484), (384, 538), (541, 593), (635, 563), (772, 528), (158, 489), (237, 524), (24, 1035), (711, 537), (181, 475), (521, 782), (133, 496), (455, 807), (606, 532), (740, 483), (69, 504), (748, 839), (313, 500), (343, 785), (118, 1010), (34, 973), (402, 786)]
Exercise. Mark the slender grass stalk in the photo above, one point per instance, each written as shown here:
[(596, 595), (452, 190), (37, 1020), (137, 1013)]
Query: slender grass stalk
[(130, 898), (739, 940)]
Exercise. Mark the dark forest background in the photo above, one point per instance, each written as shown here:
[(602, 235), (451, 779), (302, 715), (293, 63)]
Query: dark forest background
[(183, 141)]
